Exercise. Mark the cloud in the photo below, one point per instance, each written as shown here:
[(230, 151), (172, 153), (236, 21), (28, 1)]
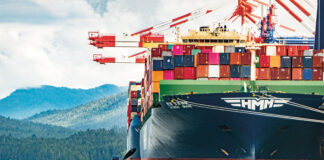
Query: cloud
[(44, 42)]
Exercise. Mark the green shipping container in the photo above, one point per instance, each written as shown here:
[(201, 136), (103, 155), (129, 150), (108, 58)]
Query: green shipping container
[(257, 59), (195, 51), (170, 46)]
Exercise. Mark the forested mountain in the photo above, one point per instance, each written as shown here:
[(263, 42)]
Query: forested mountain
[(22, 128), (98, 144), (24, 103), (102, 113)]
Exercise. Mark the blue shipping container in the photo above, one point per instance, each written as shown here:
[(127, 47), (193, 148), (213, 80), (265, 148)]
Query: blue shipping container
[(178, 61), (224, 58), (285, 62), (245, 72), (157, 65), (307, 62), (168, 62), (189, 61), (138, 93), (134, 108), (235, 71), (307, 74), (240, 50), (134, 102)]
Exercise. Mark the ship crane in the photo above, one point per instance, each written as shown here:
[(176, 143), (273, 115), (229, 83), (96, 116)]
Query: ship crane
[(150, 37), (145, 38)]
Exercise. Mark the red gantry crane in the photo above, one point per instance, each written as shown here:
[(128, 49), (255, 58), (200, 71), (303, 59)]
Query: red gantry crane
[(151, 36)]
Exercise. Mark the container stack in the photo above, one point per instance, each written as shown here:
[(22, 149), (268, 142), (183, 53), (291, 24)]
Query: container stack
[(134, 100), (190, 62)]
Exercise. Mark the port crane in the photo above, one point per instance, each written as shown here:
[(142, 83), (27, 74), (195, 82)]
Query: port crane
[(151, 37)]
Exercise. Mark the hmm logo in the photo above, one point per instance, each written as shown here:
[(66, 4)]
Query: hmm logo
[(253, 103)]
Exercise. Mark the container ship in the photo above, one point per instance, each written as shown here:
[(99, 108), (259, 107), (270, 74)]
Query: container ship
[(219, 95)]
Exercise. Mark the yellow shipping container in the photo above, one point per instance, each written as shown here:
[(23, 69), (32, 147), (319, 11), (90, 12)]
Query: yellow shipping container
[(275, 61), (157, 76), (156, 87)]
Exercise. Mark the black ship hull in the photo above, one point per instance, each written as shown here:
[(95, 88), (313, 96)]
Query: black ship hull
[(235, 126)]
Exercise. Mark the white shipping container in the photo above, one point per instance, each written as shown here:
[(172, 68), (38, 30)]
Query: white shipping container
[(213, 71), (308, 52), (139, 101), (136, 87), (229, 49), (218, 49), (271, 51), (166, 53)]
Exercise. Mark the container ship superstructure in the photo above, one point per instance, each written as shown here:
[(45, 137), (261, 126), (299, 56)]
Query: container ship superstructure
[(219, 95)]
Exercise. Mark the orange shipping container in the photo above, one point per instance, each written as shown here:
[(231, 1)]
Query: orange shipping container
[(156, 87), (275, 61), (297, 74), (235, 58), (157, 76), (263, 73), (202, 71)]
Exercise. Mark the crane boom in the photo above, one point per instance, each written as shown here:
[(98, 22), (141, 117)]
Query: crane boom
[(309, 28), (308, 14)]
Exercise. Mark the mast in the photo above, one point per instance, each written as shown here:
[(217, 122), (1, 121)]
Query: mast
[(319, 36)]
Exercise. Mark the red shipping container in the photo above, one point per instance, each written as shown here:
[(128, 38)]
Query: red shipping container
[(281, 51), (285, 73), (297, 74), (246, 59), (213, 58), (189, 73), (168, 75), (205, 47), (202, 71), (263, 73), (186, 51), (164, 47), (203, 58), (275, 73), (317, 61), (264, 61), (189, 47), (293, 51), (134, 94), (156, 52), (224, 79), (301, 50), (207, 50), (235, 58), (178, 72), (224, 71), (317, 74), (258, 53), (263, 50), (297, 62)]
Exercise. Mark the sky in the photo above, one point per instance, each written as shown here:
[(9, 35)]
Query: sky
[(45, 42)]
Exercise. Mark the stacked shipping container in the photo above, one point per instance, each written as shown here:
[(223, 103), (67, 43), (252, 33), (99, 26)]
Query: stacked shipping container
[(134, 100), (190, 62)]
